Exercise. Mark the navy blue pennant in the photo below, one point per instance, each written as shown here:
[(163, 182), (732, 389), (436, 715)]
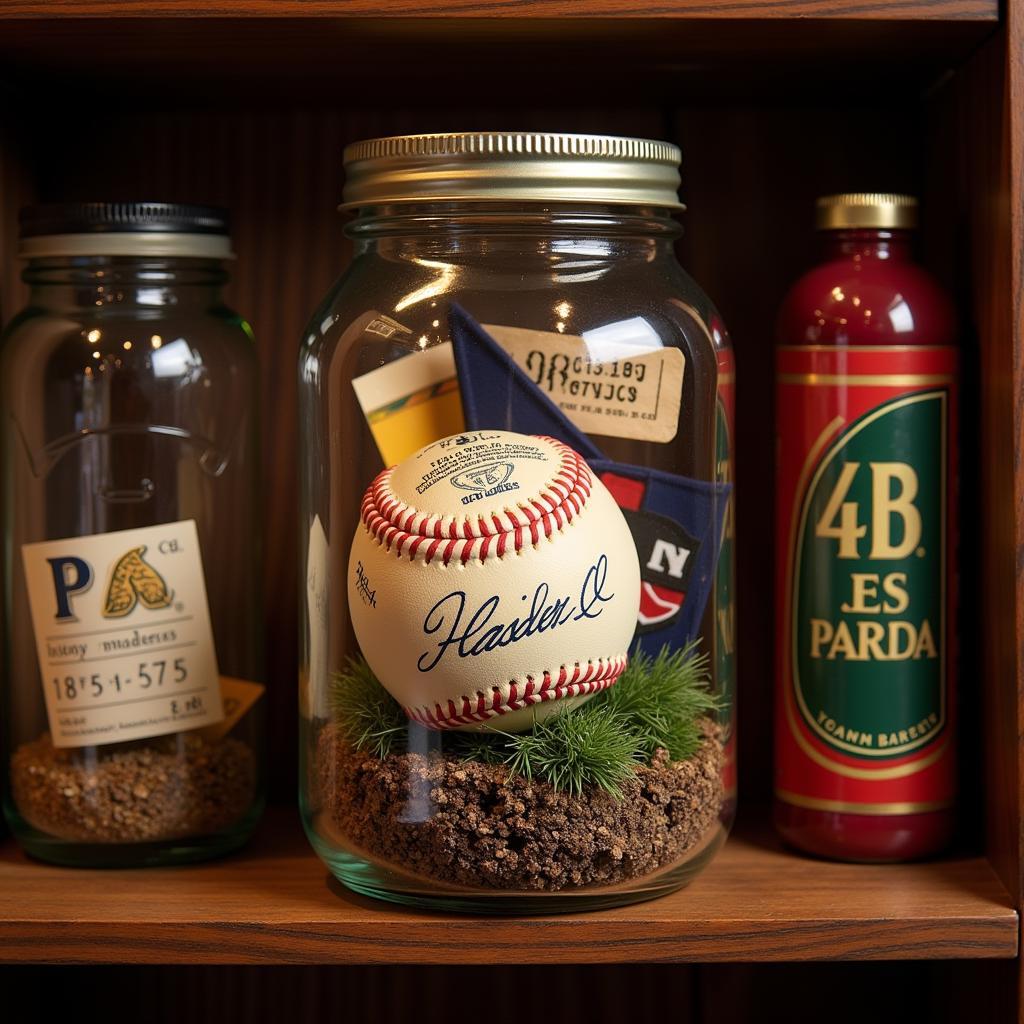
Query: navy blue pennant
[(676, 522)]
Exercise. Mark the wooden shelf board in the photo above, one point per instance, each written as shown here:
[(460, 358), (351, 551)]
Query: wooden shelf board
[(275, 903), (361, 62), (893, 10)]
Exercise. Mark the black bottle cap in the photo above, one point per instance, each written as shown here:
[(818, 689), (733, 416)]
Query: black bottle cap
[(107, 218)]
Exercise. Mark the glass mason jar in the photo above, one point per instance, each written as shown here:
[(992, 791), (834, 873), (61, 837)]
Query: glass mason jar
[(132, 578), (512, 693)]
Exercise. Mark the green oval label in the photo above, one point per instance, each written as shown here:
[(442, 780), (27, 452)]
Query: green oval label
[(869, 659)]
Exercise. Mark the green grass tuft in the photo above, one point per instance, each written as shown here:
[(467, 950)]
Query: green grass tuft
[(656, 704), (577, 748), (489, 746), (662, 699), (370, 718)]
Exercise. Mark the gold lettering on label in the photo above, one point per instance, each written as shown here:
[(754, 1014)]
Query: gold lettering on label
[(821, 631), (895, 628), (912, 732), (893, 641), (847, 532), (870, 635), (842, 644), (884, 504), (841, 732), (925, 642), (865, 587), (895, 586)]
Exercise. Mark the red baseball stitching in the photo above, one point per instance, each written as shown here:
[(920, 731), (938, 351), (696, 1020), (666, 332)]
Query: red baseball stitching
[(407, 531), (481, 707)]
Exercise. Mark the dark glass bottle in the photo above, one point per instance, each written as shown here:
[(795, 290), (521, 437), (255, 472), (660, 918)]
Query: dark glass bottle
[(866, 604)]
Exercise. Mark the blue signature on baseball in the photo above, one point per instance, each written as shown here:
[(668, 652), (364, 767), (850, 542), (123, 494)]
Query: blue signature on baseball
[(472, 632)]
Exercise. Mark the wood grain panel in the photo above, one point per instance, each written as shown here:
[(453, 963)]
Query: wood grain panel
[(127, 63), (992, 196), (310, 995), (855, 993), (975, 196), (275, 905), (16, 189), (891, 993), (1008, 773), (726, 9)]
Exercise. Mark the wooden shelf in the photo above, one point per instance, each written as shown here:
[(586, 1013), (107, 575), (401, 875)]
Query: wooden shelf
[(730, 9), (175, 53), (150, 55), (275, 903)]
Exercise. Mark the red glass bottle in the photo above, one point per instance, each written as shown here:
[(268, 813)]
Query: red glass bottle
[(865, 598)]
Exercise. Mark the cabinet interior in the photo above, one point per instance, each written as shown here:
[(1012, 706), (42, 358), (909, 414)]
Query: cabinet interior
[(254, 115)]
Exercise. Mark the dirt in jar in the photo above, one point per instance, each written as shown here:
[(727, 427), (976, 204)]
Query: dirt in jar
[(483, 825), (148, 790), (625, 784)]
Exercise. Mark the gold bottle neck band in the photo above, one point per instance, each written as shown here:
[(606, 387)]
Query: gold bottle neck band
[(879, 210)]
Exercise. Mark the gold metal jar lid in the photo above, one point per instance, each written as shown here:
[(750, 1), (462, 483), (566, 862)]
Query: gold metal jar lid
[(518, 166), (866, 210)]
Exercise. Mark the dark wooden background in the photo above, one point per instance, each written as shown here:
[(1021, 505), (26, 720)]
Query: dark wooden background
[(750, 176), (886, 993), (769, 114)]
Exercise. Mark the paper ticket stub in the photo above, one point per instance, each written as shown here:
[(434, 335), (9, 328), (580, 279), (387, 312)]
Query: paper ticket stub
[(619, 383), (123, 634), (616, 385)]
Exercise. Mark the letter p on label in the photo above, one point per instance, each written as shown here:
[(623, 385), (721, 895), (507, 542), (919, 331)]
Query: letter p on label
[(71, 575)]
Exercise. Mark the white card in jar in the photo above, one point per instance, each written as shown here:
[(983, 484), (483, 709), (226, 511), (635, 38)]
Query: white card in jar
[(123, 634), (619, 380)]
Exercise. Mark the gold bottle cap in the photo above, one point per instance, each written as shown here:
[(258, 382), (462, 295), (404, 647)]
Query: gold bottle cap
[(866, 210), (543, 167)]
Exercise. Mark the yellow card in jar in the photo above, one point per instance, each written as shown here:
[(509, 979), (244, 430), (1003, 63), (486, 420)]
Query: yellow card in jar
[(411, 402)]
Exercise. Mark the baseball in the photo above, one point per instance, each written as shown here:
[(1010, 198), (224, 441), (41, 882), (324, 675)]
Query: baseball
[(492, 580)]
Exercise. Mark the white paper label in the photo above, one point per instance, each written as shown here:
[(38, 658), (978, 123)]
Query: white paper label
[(123, 634), (618, 380)]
